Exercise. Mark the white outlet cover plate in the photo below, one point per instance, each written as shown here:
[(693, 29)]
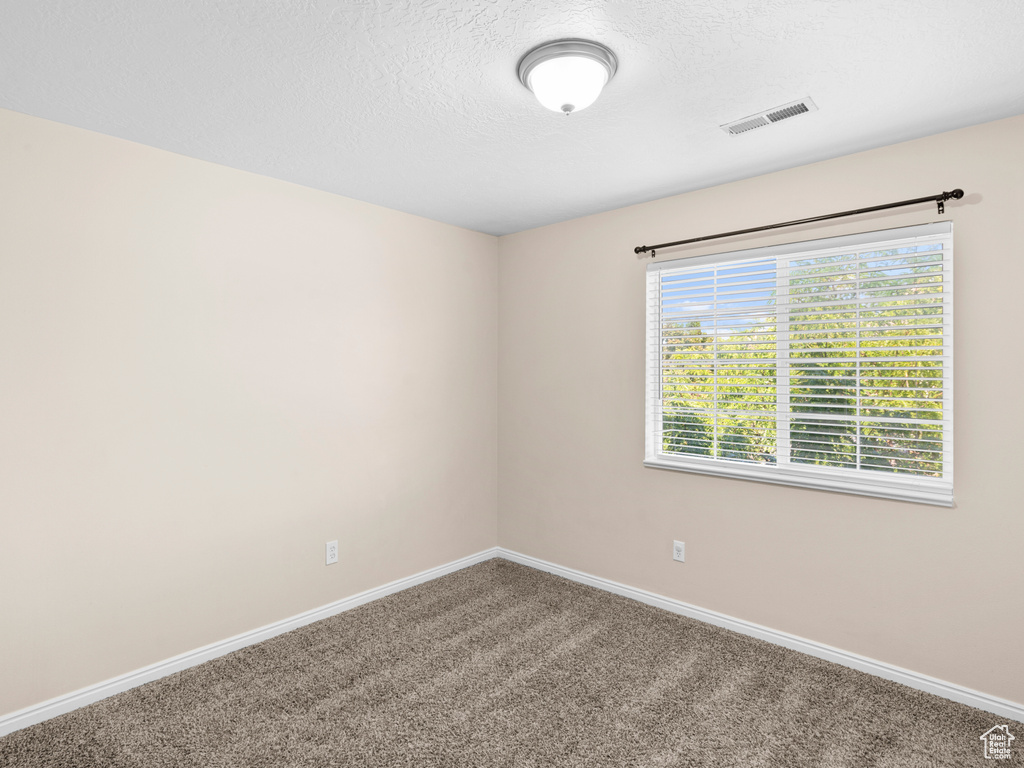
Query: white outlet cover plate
[(332, 552), (679, 551)]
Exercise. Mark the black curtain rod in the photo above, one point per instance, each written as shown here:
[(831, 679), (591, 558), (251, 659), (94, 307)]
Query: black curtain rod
[(940, 198)]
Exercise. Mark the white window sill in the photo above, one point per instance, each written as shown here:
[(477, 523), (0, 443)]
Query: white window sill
[(877, 484)]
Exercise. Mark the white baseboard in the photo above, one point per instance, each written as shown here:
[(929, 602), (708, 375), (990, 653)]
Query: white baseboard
[(61, 704), (80, 698), (972, 698)]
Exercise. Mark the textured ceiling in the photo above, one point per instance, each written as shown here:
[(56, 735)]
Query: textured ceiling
[(416, 105)]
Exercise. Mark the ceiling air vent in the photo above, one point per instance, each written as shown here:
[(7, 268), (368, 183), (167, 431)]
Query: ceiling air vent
[(769, 116)]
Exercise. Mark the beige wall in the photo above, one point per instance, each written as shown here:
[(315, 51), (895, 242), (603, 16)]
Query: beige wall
[(204, 376), (939, 591)]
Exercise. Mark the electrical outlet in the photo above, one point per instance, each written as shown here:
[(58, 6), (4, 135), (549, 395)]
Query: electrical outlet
[(679, 551), (332, 552)]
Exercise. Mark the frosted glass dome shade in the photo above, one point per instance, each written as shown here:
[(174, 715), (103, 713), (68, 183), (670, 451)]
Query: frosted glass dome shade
[(567, 75), (568, 84)]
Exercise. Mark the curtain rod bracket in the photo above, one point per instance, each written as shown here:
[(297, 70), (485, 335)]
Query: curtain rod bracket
[(956, 194)]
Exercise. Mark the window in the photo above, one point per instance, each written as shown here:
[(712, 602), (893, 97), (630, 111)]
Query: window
[(825, 364)]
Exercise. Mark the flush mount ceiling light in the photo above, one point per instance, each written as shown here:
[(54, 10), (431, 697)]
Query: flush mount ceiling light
[(567, 75)]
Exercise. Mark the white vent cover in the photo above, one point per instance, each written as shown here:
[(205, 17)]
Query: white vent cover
[(769, 116)]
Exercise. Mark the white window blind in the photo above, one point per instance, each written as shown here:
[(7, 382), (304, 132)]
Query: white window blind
[(825, 364)]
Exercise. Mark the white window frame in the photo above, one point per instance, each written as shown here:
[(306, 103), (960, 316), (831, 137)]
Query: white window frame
[(917, 488)]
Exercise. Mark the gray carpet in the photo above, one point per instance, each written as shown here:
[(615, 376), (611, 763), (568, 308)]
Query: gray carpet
[(501, 665)]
